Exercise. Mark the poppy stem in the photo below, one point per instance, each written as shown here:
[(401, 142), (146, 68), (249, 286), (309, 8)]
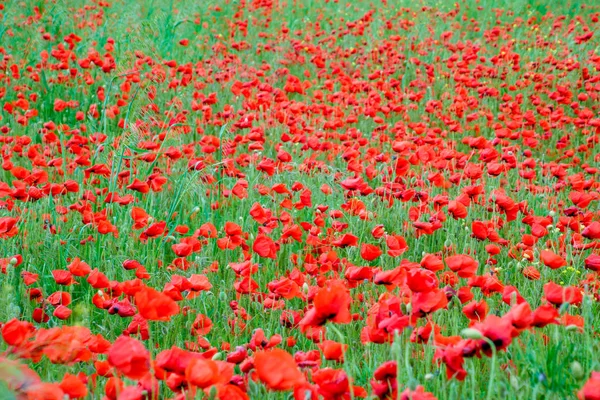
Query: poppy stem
[(342, 340), (492, 368)]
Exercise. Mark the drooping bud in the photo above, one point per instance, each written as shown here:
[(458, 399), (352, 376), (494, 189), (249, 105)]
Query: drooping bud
[(470, 333)]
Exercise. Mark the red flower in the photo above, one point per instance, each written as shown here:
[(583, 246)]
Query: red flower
[(463, 265), (432, 263), (182, 249), (418, 394), (591, 389), (424, 303), (78, 267), (264, 246), (457, 209), (97, 279), (476, 311), (155, 230), (333, 350), (140, 217), (277, 370), (552, 260), (73, 386), (454, 361), (203, 373), (154, 305), (498, 330), (8, 227), (544, 315), (558, 295), (593, 262), (592, 231), (370, 252), (332, 383), (330, 303), (385, 384), (421, 280), (15, 332), (396, 245), (130, 357)]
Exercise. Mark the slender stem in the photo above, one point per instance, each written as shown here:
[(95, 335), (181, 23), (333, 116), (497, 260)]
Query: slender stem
[(492, 368)]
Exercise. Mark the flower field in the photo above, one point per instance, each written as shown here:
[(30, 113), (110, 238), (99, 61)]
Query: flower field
[(307, 199)]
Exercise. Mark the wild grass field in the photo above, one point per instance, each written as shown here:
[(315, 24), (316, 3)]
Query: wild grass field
[(274, 199)]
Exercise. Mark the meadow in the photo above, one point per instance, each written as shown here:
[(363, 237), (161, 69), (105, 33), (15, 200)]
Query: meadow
[(275, 199)]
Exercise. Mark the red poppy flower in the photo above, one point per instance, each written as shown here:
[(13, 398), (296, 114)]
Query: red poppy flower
[(264, 246), (463, 265), (78, 267), (15, 332), (129, 357), (154, 305), (591, 389), (330, 303), (277, 370), (552, 260), (155, 230), (396, 245), (333, 350), (72, 386), (370, 252), (592, 262), (203, 373), (558, 295)]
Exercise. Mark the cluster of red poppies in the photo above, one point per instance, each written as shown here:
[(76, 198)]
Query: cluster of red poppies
[(227, 205)]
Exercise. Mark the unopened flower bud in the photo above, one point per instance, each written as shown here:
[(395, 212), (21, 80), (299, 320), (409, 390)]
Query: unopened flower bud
[(514, 382), (471, 333), (571, 328), (577, 370), (222, 296)]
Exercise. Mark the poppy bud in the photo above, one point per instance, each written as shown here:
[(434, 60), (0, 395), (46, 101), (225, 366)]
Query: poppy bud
[(81, 313), (217, 356), (577, 370), (571, 328), (13, 261), (471, 333), (429, 377), (514, 382), (14, 310)]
